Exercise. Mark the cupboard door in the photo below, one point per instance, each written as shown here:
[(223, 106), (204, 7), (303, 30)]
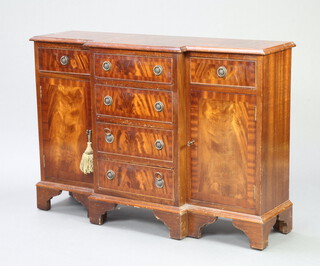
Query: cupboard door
[(65, 118), (223, 155)]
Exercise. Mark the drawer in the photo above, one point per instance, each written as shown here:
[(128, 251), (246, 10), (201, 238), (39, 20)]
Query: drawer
[(64, 60), (131, 67), (135, 141), (222, 72), (134, 103), (137, 179)]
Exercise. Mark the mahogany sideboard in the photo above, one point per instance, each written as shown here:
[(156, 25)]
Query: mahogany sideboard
[(191, 128)]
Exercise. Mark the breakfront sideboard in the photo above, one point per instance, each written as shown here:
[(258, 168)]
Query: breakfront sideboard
[(191, 128)]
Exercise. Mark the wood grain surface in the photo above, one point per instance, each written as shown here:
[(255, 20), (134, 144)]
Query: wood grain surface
[(44, 196), (177, 223), (135, 179), (226, 139), (275, 129), (258, 233), (239, 72), (135, 141), (196, 222), (284, 221), (64, 122), (165, 43), (49, 60), (223, 156), (98, 210), (134, 103), (132, 67)]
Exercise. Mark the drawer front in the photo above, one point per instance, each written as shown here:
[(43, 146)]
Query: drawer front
[(222, 72), (134, 103), (135, 141), (63, 60), (130, 67), (151, 181)]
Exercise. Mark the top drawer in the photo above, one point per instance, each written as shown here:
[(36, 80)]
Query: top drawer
[(222, 72), (64, 60), (132, 67)]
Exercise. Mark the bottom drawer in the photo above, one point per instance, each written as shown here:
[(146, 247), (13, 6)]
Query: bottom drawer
[(135, 179)]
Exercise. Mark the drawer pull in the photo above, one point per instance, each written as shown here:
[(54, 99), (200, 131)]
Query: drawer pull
[(159, 144), (157, 70), (221, 72), (109, 137), (158, 106), (110, 175), (64, 60), (158, 180), (108, 100), (106, 65)]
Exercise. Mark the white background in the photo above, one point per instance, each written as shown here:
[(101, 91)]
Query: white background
[(64, 236)]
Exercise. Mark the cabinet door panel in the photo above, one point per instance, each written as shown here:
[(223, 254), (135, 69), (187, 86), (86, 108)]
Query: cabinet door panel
[(223, 156), (65, 118)]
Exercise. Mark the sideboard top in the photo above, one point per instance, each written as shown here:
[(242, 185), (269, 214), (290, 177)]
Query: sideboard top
[(165, 43)]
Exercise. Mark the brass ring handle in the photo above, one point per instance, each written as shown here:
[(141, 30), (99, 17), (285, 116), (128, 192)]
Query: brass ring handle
[(159, 144), (222, 72), (106, 65), (158, 180), (158, 106), (64, 60), (108, 100), (157, 70), (110, 174), (109, 137)]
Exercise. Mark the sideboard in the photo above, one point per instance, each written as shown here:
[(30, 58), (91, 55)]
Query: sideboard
[(190, 128)]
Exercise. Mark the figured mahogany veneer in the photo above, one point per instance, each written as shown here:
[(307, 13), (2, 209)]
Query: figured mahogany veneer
[(135, 179), (133, 67), (49, 60), (135, 141), (239, 73), (134, 103), (223, 157), (191, 128), (64, 113)]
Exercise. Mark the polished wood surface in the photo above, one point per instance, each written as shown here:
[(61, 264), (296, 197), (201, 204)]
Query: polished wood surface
[(226, 139), (44, 196), (47, 190), (135, 179), (135, 141), (133, 67), (275, 133), (284, 221), (49, 60), (196, 222), (257, 233), (236, 215), (239, 73), (223, 155), (98, 210), (175, 218), (64, 123), (134, 103), (165, 43), (177, 223)]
